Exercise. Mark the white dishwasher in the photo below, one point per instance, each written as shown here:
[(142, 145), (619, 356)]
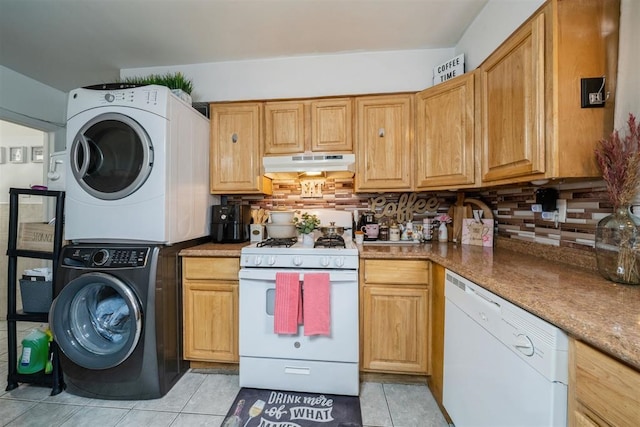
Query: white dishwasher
[(503, 366)]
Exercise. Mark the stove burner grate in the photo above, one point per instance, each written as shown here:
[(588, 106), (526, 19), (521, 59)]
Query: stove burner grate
[(273, 242), (329, 242)]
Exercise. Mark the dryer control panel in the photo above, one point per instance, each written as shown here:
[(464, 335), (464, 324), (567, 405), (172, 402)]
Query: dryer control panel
[(101, 257)]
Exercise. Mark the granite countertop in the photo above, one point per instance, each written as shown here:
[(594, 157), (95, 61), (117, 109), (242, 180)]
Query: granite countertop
[(575, 299), (215, 249)]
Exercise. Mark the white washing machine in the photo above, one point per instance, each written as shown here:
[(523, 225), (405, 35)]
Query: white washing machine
[(137, 167)]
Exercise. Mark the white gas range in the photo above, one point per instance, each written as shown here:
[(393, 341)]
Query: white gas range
[(326, 363)]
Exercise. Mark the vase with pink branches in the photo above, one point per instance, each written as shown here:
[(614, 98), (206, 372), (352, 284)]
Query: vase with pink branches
[(617, 239)]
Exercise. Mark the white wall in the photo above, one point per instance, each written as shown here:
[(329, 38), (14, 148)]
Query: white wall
[(348, 74), (31, 103), (20, 175), (628, 90), (495, 23), (309, 76)]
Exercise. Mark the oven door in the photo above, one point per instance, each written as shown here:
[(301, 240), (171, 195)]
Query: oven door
[(257, 336)]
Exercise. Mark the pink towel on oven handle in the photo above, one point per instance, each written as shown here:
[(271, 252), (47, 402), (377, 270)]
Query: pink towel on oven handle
[(287, 310), (316, 304)]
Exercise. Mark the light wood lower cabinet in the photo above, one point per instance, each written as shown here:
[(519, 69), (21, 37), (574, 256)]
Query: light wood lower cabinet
[(602, 391), (395, 316), (210, 308)]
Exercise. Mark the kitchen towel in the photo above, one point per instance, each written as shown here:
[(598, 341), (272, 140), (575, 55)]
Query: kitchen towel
[(287, 313), (317, 304)]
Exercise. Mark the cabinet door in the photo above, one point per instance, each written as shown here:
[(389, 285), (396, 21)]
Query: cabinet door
[(284, 124), (602, 389), (331, 125), (236, 161), (445, 138), (513, 116), (383, 143), (395, 329), (211, 321)]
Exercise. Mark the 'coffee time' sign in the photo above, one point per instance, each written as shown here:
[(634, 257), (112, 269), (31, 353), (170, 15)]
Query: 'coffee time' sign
[(448, 70)]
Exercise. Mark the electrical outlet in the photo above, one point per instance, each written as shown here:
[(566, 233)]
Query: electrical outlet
[(592, 92), (561, 204)]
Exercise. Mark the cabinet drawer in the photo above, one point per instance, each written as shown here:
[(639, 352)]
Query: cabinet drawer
[(406, 272), (607, 387), (211, 268)]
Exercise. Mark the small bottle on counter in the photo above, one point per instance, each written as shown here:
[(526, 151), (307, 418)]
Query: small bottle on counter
[(426, 229), (383, 233), (443, 233)]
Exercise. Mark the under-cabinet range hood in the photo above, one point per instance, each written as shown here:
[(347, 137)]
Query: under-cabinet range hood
[(310, 163)]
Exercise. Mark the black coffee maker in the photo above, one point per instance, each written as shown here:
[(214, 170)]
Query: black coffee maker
[(369, 219), (230, 223)]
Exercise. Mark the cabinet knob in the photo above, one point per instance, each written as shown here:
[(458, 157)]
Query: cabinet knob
[(234, 138), (381, 132)]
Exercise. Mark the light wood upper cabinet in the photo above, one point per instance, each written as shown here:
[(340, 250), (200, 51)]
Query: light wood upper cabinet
[(513, 133), (332, 125), (384, 147), (602, 391), (445, 134), (284, 127), (533, 125), (236, 156), (302, 126), (210, 308), (395, 316)]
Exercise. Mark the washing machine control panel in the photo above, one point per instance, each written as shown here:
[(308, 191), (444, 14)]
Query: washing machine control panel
[(100, 257)]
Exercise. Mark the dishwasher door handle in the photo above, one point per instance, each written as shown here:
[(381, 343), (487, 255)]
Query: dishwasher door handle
[(493, 304)]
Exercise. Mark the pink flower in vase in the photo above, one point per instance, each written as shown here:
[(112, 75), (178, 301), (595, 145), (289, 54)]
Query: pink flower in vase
[(443, 218)]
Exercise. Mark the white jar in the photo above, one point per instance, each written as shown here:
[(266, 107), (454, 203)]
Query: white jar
[(394, 233)]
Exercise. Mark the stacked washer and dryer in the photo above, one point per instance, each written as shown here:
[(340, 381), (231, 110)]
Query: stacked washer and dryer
[(137, 192)]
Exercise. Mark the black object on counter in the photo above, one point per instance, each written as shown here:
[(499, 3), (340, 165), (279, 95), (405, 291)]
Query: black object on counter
[(230, 223)]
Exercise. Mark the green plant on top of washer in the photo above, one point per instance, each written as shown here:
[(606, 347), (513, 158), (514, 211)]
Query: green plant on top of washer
[(171, 80)]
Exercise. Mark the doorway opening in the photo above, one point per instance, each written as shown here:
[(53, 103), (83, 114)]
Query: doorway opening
[(23, 163)]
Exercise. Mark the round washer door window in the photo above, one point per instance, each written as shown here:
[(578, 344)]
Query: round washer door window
[(111, 156), (96, 321)]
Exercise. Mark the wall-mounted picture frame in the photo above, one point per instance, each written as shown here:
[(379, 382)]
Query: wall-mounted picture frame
[(17, 154), (37, 154), (3, 155)]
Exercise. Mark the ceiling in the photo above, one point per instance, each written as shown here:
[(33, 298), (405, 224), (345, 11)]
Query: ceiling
[(71, 43)]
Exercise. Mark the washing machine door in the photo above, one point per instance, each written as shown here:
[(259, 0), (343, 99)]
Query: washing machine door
[(96, 320), (111, 156)]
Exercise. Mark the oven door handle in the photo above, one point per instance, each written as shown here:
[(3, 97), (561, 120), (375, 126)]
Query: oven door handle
[(269, 274)]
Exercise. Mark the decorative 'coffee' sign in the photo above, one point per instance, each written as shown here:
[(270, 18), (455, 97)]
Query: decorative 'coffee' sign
[(408, 204)]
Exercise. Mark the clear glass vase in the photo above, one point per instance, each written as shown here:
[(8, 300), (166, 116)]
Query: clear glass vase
[(618, 246)]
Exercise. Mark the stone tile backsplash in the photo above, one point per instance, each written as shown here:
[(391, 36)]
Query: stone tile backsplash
[(587, 203)]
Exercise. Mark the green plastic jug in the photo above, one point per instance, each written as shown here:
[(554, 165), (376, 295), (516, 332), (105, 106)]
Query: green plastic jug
[(35, 352)]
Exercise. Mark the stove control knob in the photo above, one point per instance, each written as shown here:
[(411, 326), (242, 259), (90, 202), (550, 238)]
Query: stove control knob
[(297, 261), (340, 262), (257, 260), (325, 261), (271, 260)]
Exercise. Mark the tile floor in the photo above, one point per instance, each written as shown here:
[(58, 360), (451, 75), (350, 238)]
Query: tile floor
[(196, 400)]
